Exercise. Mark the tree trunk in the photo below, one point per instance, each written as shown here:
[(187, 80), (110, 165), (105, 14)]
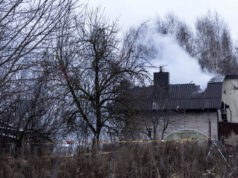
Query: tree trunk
[(155, 133), (95, 145)]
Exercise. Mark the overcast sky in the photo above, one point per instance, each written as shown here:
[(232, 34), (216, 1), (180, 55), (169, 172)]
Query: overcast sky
[(134, 12)]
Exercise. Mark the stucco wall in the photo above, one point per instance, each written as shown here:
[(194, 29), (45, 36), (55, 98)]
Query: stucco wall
[(198, 121), (194, 121), (230, 97)]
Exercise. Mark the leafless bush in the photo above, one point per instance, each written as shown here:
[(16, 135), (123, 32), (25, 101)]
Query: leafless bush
[(131, 160)]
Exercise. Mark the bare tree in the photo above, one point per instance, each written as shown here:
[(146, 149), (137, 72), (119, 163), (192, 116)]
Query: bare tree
[(26, 29), (31, 118), (172, 25), (156, 123), (91, 62), (153, 106), (126, 125), (211, 43), (214, 45)]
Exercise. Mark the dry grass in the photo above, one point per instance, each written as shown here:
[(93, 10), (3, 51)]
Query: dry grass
[(129, 161)]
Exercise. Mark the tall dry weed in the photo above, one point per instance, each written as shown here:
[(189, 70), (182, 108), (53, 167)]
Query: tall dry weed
[(183, 160)]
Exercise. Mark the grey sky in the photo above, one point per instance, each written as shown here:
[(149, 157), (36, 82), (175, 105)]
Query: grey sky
[(182, 67), (134, 12)]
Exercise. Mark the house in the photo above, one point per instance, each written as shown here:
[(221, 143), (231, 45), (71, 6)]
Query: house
[(167, 110)]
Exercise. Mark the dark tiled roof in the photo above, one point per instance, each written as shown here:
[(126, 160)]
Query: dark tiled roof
[(231, 77), (181, 97), (190, 97), (182, 91)]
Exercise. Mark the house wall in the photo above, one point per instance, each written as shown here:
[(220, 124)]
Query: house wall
[(198, 121), (230, 97), (194, 121)]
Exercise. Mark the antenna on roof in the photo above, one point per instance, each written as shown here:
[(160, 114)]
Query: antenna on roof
[(161, 68)]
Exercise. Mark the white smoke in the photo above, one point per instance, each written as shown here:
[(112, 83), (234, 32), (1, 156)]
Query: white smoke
[(182, 67)]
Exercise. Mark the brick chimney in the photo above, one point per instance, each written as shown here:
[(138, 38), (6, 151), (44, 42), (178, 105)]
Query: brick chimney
[(161, 82)]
